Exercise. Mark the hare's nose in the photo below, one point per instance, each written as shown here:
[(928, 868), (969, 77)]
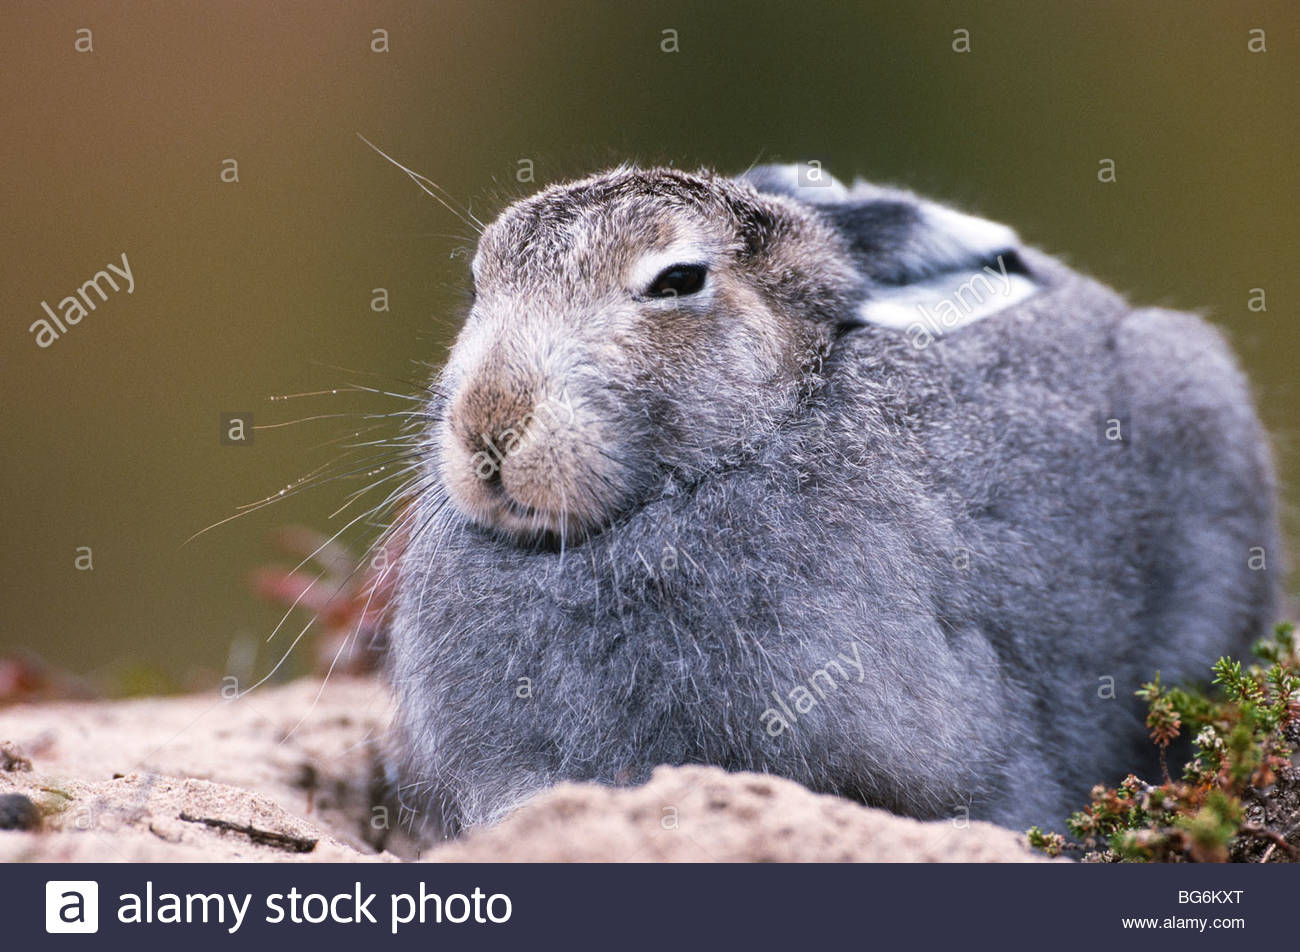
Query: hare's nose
[(493, 421), (488, 414)]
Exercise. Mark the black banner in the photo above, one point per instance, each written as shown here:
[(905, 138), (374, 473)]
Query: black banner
[(645, 906)]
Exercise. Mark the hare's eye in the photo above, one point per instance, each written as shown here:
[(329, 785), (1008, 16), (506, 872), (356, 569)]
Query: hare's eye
[(678, 280)]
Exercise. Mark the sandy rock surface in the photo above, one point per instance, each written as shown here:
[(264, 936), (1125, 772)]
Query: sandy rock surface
[(703, 814), (292, 774), (146, 779)]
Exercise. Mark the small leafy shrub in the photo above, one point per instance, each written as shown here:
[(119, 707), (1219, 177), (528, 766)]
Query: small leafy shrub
[(1239, 795)]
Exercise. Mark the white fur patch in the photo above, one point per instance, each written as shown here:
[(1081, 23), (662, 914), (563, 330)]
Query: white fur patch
[(954, 236), (946, 302), (651, 265), (809, 182)]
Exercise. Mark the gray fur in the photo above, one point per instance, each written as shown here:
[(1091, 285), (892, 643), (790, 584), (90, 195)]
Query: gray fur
[(935, 541)]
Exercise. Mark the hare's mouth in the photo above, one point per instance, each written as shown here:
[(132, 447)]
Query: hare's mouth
[(521, 510), (534, 525), (540, 484)]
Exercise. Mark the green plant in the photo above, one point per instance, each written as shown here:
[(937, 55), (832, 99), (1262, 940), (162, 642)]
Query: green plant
[(1239, 795)]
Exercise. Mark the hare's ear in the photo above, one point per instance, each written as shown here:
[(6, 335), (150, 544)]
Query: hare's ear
[(806, 181), (927, 264), (920, 261)]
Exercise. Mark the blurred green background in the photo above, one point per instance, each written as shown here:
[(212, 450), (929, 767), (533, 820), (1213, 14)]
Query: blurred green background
[(111, 436)]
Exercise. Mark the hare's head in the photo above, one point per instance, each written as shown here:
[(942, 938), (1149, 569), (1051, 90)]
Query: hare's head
[(624, 326), (646, 323)]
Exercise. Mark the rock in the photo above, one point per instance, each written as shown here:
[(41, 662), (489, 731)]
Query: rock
[(17, 812), (703, 814), (292, 773)]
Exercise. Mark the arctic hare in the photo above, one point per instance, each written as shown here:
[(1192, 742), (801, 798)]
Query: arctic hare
[(833, 483)]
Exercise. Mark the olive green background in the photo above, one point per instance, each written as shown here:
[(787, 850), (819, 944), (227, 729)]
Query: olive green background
[(109, 438)]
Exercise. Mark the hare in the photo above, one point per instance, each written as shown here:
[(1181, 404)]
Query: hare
[(834, 483)]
